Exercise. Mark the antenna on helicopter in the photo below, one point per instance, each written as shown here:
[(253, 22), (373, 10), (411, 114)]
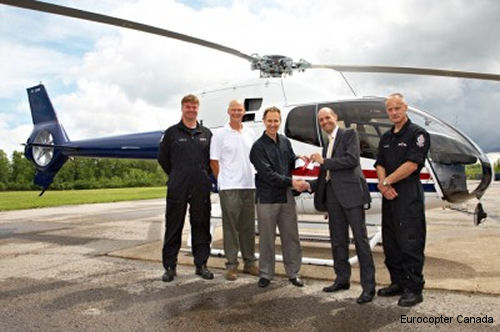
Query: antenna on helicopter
[(347, 82)]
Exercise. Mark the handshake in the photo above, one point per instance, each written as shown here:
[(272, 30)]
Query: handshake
[(309, 162), (301, 185)]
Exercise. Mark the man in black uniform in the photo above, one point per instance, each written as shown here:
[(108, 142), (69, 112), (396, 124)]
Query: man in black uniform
[(185, 156), (401, 156)]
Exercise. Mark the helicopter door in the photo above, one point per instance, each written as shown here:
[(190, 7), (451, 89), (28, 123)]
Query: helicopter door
[(302, 125), (367, 117), (463, 171)]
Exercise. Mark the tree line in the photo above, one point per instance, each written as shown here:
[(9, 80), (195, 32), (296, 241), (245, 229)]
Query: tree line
[(82, 173), (92, 173), (474, 172)]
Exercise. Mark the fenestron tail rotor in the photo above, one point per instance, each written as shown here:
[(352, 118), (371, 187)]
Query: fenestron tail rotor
[(268, 65)]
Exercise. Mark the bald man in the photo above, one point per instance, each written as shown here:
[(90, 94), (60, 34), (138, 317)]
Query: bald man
[(401, 155), (341, 189), (230, 163)]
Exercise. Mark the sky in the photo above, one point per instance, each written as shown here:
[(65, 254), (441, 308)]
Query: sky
[(105, 80)]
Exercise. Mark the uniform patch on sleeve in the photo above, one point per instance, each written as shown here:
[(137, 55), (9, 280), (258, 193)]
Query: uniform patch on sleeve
[(421, 141)]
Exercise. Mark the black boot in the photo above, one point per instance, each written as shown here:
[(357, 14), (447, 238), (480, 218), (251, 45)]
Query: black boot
[(169, 274), (391, 290), (204, 272), (409, 298)]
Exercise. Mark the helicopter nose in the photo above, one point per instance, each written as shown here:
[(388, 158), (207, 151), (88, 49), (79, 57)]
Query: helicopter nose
[(463, 171), (461, 168)]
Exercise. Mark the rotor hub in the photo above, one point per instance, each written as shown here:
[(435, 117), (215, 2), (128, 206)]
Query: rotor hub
[(277, 65)]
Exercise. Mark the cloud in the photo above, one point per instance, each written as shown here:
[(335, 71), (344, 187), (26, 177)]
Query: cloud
[(106, 80), (12, 138)]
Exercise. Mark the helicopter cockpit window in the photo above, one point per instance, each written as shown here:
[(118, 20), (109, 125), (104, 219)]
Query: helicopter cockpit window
[(301, 125), (368, 118)]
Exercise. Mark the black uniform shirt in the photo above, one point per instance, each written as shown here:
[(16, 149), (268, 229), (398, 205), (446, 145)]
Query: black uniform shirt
[(274, 162), (411, 143), (185, 155)]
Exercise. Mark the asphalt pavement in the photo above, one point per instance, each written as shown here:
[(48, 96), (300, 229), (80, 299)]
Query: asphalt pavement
[(97, 267)]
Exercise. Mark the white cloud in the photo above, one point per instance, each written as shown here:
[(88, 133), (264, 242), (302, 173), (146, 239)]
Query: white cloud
[(99, 109), (127, 81), (26, 65), (12, 138)]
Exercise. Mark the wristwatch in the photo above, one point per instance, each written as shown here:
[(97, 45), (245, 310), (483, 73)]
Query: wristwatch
[(385, 183)]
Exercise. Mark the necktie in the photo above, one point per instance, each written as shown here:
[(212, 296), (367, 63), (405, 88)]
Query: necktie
[(329, 152)]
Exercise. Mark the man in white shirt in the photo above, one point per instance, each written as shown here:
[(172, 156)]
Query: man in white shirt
[(230, 163)]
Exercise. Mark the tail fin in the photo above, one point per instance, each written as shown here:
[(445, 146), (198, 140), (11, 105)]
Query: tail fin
[(41, 107), (47, 141)]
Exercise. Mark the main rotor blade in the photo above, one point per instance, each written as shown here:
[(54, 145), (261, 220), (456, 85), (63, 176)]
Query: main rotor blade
[(411, 70), (94, 17)]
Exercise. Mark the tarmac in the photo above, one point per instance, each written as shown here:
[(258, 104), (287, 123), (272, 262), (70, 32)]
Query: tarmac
[(95, 267), (459, 255)]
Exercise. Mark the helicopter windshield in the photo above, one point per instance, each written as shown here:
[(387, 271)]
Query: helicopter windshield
[(455, 160)]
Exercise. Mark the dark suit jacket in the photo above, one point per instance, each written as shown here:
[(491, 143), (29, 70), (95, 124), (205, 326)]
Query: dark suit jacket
[(347, 180)]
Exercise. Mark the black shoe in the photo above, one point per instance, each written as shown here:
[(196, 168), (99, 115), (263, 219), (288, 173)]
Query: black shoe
[(336, 287), (365, 297), (297, 282), (263, 282), (204, 272), (391, 290), (169, 274), (409, 299)]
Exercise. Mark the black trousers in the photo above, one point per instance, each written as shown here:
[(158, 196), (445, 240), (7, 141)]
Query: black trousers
[(198, 199), (403, 236), (339, 220)]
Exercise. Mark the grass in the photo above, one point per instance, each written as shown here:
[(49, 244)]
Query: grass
[(16, 200)]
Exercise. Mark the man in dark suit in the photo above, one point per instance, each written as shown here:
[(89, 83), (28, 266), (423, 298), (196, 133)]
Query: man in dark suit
[(341, 189)]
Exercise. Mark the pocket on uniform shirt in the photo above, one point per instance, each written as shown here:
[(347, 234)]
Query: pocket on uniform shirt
[(203, 141)]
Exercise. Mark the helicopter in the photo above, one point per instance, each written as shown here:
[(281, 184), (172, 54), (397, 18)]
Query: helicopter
[(443, 177)]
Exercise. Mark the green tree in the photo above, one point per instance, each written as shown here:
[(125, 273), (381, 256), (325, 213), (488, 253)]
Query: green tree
[(22, 172), (89, 173), (4, 170), (84, 168), (65, 178), (104, 168)]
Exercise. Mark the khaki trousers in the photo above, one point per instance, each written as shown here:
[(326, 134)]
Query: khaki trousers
[(238, 225)]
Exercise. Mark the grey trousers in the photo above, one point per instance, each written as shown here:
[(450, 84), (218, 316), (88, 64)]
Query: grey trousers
[(339, 220), (285, 217), (238, 225)]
